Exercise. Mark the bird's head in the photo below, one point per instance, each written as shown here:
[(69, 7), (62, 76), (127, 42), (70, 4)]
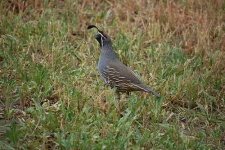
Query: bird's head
[(101, 37)]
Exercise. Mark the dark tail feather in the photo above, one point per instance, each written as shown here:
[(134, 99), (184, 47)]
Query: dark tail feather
[(147, 89)]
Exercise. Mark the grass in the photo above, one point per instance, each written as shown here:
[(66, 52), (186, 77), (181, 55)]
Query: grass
[(53, 98)]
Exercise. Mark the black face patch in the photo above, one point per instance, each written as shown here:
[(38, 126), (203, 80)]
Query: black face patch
[(100, 37)]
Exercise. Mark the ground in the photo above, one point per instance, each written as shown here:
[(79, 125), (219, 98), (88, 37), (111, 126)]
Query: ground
[(52, 96)]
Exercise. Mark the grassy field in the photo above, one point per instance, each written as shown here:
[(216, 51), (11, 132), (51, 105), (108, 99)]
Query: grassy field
[(52, 96)]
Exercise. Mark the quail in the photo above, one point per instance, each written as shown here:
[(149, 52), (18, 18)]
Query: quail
[(114, 72)]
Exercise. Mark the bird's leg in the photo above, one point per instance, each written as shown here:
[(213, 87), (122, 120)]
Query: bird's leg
[(127, 94), (117, 97)]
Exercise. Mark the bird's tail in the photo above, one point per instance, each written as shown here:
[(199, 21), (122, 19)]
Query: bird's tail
[(148, 89)]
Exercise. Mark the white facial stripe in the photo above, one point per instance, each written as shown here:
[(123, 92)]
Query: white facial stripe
[(101, 41), (101, 35)]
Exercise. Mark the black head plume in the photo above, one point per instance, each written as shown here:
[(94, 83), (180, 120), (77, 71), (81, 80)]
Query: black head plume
[(92, 26), (100, 36)]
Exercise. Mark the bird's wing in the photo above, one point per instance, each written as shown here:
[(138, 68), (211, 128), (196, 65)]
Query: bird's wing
[(120, 76), (123, 72)]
